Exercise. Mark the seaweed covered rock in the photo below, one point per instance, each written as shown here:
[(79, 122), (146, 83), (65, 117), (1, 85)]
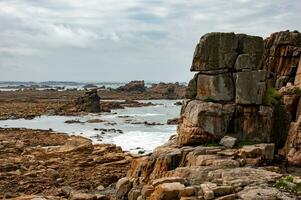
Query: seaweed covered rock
[(90, 102)]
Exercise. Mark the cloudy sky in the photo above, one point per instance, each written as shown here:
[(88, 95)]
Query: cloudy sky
[(121, 40)]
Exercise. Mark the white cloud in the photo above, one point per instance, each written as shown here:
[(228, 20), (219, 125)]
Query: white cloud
[(152, 34)]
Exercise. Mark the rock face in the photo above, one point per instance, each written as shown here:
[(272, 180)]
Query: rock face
[(203, 122), (228, 91), (282, 56), (228, 101), (67, 167)]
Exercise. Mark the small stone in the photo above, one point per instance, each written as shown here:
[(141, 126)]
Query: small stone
[(228, 141)]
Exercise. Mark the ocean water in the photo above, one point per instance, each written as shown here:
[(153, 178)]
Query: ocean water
[(13, 86), (135, 137)]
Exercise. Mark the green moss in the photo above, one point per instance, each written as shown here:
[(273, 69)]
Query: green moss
[(289, 179), (288, 185), (272, 96), (281, 184)]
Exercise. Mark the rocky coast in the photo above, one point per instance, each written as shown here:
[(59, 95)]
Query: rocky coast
[(238, 133)]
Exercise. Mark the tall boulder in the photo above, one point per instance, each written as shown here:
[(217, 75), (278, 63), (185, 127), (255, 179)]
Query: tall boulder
[(227, 92), (89, 102)]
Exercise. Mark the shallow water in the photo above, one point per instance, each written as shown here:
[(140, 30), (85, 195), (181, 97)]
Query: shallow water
[(135, 137)]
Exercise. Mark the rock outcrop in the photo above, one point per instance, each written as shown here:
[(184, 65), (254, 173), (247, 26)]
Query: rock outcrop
[(55, 164), (230, 101), (90, 102), (168, 90), (226, 96), (133, 86), (282, 56)]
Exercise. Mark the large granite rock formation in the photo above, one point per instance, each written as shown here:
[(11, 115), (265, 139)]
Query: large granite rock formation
[(227, 92), (229, 95)]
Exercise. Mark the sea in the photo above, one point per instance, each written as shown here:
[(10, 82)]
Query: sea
[(62, 85), (133, 135)]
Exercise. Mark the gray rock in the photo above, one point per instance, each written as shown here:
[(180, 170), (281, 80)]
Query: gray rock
[(228, 141), (250, 87), (215, 51), (247, 61), (213, 118), (215, 87), (191, 90), (250, 44)]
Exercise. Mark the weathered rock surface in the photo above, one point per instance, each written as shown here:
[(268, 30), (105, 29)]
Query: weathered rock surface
[(44, 163), (282, 56), (215, 87), (250, 87), (203, 121), (133, 86), (215, 51), (205, 173), (168, 90)]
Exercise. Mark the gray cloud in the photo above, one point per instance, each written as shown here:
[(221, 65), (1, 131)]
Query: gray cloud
[(112, 40)]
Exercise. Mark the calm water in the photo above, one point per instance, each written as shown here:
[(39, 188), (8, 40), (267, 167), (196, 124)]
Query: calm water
[(135, 137)]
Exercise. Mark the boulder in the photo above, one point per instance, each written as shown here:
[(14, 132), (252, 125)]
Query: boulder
[(265, 151), (215, 87), (123, 186), (215, 51), (250, 87), (228, 141), (90, 102), (203, 121), (167, 191)]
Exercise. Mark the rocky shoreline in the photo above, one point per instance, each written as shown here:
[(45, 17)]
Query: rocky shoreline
[(57, 165), (238, 134)]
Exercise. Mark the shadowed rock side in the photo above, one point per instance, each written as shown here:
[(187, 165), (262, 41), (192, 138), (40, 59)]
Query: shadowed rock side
[(233, 122)]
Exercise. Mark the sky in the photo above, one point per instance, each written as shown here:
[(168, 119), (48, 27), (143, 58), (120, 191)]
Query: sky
[(123, 40)]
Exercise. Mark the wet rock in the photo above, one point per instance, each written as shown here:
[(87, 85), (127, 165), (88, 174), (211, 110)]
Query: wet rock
[(173, 121), (90, 102)]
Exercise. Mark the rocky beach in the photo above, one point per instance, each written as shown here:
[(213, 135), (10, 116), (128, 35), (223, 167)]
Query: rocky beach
[(232, 133)]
